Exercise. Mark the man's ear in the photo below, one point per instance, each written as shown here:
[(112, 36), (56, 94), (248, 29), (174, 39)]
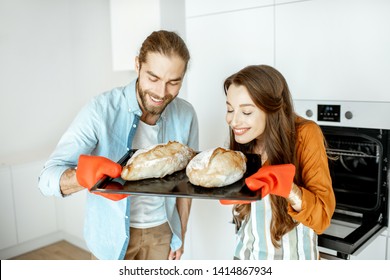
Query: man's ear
[(137, 66)]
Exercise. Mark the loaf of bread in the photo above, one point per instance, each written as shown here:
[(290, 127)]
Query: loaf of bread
[(216, 167), (157, 161)]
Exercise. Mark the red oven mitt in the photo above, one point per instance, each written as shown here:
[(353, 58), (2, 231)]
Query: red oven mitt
[(272, 179), (90, 169)]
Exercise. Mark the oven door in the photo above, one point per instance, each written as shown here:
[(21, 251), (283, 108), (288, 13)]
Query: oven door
[(359, 169), (343, 239)]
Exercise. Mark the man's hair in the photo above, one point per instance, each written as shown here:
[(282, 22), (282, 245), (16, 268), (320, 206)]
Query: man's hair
[(166, 43)]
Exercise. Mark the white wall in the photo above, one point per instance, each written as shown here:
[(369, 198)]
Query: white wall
[(55, 55)]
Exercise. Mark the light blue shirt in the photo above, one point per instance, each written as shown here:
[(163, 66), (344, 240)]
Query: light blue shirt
[(106, 127)]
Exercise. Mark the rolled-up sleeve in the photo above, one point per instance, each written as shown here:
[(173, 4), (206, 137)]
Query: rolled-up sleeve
[(318, 200), (80, 138)]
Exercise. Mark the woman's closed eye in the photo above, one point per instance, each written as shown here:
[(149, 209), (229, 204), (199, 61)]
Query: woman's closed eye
[(247, 113)]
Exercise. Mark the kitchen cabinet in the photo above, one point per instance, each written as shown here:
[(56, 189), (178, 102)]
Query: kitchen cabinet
[(7, 211), (334, 50), (388, 246), (203, 7), (70, 217), (376, 250), (210, 232), (31, 220), (278, 2), (28, 219), (225, 48), (35, 214)]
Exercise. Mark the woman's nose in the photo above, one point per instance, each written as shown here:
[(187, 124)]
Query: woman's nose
[(232, 119)]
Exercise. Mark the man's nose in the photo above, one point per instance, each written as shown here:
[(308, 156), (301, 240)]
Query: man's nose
[(161, 89)]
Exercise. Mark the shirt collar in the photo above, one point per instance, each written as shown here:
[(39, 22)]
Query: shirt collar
[(131, 97)]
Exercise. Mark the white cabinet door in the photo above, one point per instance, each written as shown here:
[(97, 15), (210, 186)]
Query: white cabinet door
[(374, 251), (210, 233), (388, 248), (277, 2), (71, 211), (219, 46), (35, 213), (8, 234), (203, 7), (335, 50)]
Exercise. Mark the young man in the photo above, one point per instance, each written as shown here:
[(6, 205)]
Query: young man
[(144, 113)]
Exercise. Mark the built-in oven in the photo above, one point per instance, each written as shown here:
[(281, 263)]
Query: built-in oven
[(358, 145)]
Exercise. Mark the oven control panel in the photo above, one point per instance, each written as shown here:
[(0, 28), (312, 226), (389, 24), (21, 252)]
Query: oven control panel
[(328, 113), (345, 113)]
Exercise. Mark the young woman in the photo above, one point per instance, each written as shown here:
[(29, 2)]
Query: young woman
[(297, 196)]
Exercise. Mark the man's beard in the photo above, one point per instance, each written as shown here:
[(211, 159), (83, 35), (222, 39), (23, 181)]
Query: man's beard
[(154, 110)]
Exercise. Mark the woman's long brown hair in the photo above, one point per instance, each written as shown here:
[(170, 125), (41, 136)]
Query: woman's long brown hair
[(269, 91)]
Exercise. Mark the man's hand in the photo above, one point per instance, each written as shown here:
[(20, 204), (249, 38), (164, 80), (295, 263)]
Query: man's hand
[(90, 169), (176, 255)]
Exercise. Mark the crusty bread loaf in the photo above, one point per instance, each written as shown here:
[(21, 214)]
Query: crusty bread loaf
[(157, 161), (216, 168)]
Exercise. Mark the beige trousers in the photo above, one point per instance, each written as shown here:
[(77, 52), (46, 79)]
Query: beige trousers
[(148, 244)]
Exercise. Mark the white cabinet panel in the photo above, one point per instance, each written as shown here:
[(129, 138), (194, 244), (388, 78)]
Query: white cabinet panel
[(71, 214), (277, 2), (335, 50), (35, 213), (202, 7), (232, 41), (8, 235), (375, 251), (388, 248), (210, 233)]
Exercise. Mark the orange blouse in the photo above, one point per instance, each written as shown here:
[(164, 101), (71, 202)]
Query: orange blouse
[(318, 200)]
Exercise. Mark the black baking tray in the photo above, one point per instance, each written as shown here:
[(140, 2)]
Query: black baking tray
[(178, 185)]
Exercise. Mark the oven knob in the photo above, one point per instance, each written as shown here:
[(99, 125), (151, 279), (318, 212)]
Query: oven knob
[(309, 113), (348, 115)]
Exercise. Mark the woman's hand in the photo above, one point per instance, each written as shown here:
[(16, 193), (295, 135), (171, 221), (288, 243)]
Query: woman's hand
[(272, 179)]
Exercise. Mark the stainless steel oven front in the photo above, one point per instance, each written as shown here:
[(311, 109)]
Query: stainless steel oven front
[(358, 146)]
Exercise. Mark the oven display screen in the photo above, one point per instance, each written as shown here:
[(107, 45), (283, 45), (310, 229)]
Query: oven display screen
[(329, 113)]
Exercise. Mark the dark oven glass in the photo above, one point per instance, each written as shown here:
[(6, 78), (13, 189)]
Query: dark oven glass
[(358, 162), (355, 162)]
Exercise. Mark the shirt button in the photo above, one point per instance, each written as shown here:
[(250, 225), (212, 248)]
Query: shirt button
[(134, 125), (126, 217)]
